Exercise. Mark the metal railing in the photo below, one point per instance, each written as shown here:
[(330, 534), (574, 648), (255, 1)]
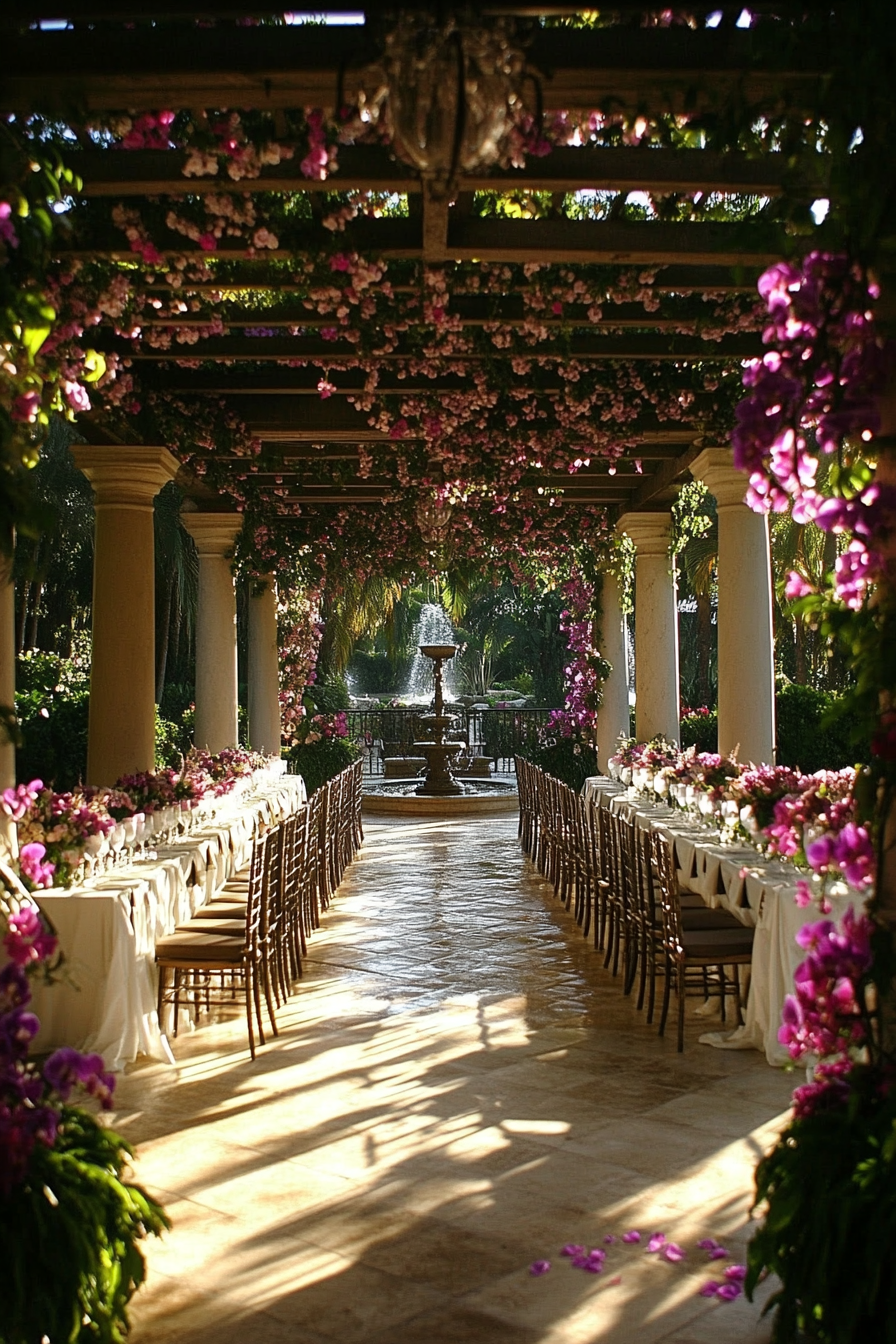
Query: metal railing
[(497, 733)]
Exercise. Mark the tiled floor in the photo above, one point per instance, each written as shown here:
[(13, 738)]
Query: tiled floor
[(458, 1089)]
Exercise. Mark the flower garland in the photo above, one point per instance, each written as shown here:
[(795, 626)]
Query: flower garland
[(300, 631), (811, 820), (586, 669)]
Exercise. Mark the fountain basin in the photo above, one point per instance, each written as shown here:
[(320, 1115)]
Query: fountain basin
[(480, 798)]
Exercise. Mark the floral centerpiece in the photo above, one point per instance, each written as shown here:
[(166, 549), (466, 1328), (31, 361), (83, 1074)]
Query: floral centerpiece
[(758, 789), (70, 1223), (55, 830)]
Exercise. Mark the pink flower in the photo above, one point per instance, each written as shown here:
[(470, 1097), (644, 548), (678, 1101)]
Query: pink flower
[(76, 396), (208, 242), (27, 940), (25, 407), (796, 586), (7, 230), (655, 1243)]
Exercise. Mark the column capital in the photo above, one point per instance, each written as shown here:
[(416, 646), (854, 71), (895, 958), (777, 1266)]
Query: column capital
[(213, 533), (651, 532), (125, 475), (715, 468)]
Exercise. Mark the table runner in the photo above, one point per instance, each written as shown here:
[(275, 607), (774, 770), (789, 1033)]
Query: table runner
[(108, 929)]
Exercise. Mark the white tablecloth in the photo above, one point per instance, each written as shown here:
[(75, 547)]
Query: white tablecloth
[(108, 929), (760, 892)]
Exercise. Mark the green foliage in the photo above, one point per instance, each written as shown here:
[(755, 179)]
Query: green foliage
[(569, 759), (374, 673), (700, 731), (52, 703), (319, 761), (817, 730), (69, 1255), (330, 694), (172, 742), (829, 1232)]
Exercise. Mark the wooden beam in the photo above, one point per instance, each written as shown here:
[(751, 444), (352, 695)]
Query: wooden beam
[(372, 168), (475, 311), (679, 279), (435, 224), (551, 241), (666, 476), (112, 68), (590, 346)]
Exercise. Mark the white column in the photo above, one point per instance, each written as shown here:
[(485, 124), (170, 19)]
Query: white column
[(746, 644), (126, 479), (264, 669), (613, 715), (216, 670), (656, 627), (7, 667)]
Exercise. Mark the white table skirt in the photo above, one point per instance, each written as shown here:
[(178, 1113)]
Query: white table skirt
[(108, 929), (759, 892)]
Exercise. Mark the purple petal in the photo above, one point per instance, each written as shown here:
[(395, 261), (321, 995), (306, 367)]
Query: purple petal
[(539, 1267), (707, 1244), (630, 1237), (710, 1289), (571, 1248), (656, 1241), (673, 1252), (736, 1272), (718, 1254), (608, 1241), (579, 1261), (729, 1291)]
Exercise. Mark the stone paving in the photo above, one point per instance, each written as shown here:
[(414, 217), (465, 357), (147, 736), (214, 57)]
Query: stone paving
[(458, 1089)]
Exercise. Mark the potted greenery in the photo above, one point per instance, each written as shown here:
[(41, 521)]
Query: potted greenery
[(70, 1223), (827, 1187)]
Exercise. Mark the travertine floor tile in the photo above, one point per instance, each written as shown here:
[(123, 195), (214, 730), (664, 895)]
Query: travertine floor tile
[(458, 1089)]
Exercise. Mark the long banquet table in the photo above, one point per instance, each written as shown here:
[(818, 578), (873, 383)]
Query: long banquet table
[(108, 928), (760, 892)]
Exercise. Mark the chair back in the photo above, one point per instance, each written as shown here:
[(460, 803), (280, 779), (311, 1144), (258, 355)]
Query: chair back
[(667, 883)]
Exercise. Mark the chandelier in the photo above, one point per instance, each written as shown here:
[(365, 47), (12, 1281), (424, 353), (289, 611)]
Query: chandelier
[(448, 92), (433, 517)]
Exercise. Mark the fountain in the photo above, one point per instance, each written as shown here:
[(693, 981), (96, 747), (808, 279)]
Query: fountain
[(440, 793), (439, 781), (433, 627)]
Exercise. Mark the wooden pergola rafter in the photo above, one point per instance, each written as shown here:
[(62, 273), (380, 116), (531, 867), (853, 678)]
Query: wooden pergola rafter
[(271, 346)]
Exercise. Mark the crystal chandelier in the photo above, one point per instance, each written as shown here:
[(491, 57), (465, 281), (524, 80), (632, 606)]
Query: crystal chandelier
[(448, 91), (433, 519)]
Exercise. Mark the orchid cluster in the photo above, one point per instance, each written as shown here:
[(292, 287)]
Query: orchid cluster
[(32, 1097), (815, 391), (825, 1019)]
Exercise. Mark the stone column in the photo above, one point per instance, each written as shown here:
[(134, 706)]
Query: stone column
[(7, 668), (264, 670), (613, 715), (746, 644), (126, 479), (656, 627), (216, 671)]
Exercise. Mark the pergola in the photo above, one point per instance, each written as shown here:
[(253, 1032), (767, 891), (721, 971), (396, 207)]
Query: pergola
[(285, 368)]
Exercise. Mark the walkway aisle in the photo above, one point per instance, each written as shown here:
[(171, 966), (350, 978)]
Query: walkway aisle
[(459, 1089)]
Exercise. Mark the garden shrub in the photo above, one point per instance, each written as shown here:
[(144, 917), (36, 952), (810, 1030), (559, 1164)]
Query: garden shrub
[(570, 759), (812, 731), (319, 761), (700, 729)]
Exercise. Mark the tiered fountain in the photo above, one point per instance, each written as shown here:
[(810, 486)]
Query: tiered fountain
[(439, 781)]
